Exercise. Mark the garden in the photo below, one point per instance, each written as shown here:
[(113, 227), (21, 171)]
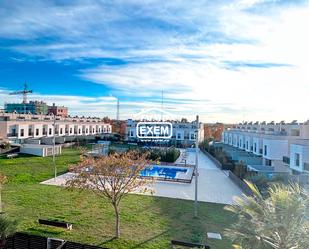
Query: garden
[(146, 221)]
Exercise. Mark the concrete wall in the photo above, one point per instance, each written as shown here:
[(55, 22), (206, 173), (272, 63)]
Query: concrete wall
[(39, 150)]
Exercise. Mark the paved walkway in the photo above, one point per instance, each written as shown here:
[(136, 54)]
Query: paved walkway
[(213, 184)]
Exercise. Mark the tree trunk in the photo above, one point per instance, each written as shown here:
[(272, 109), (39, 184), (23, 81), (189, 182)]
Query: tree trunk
[(117, 225)]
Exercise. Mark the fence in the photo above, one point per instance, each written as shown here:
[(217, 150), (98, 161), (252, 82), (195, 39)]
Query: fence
[(27, 241), (10, 150)]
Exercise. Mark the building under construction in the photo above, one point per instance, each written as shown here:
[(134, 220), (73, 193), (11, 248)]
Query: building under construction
[(33, 107)]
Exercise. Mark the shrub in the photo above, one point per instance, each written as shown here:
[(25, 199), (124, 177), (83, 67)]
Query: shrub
[(164, 155), (240, 170)]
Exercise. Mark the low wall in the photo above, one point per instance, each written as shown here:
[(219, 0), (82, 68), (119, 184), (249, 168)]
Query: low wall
[(213, 159), (240, 183)]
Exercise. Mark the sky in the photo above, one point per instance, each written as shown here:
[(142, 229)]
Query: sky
[(225, 60)]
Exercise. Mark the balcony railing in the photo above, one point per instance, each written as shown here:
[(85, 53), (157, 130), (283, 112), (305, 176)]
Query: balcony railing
[(12, 134)]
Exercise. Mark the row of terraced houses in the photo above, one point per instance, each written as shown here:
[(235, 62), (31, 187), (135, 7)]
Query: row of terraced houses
[(284, 146), (21, 128)]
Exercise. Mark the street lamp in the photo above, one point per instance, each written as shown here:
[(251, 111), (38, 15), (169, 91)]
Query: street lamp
[(196, 168), (54, 145)]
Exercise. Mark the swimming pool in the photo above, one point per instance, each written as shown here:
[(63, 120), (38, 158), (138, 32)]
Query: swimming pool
[(164, 172)]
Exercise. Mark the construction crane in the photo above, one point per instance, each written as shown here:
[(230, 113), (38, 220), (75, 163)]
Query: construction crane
[(23, 92)]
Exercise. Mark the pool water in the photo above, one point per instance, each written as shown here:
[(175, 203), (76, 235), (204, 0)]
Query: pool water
[(164, 172)]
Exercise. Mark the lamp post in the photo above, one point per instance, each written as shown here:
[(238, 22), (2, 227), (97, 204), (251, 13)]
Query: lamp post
[(196, 168), (54, 145)]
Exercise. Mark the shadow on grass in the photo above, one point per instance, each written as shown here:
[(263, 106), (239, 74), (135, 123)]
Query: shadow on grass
[(148, 240), (179, 217), (107, 241)]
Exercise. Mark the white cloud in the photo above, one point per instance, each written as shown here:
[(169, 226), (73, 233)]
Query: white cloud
[(188, 51)]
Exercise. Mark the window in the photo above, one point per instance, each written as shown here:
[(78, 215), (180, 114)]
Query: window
[(286, 160), (50, 131), (297, 159), (131, 133), (60, 131), (37, 132), (268, 162), (22, 132), (71, 130), (178, 136), (295, 132), (254, 147), (306, 166), (247, 145), (265, 150)]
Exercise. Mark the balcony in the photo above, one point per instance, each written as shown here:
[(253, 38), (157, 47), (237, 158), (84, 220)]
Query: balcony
[(12, 134)]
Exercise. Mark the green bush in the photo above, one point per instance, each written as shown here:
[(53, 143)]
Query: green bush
[(164, 155), (240, 170)]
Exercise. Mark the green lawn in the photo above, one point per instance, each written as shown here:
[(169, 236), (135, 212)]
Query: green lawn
[(146, 222)]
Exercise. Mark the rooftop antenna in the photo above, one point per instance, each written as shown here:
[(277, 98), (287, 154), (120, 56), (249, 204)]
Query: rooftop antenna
[(23, 92), (117, 116), (162, 105)]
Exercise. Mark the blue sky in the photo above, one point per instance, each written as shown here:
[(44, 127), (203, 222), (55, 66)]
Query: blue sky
[(224, 60)]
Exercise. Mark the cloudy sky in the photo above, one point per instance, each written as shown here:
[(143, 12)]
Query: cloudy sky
[(224, 60)]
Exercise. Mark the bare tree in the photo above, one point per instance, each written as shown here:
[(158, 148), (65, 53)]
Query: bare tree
[(112, 178)]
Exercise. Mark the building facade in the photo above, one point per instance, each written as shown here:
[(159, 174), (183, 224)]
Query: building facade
[(18, 128), (33, 107), (183, 133), (283, 146), (58, 110)]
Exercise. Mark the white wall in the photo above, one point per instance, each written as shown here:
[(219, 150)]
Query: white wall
[(25, 127), (235, 139), (303, 151), (249, 142), (230, 139), (38, 127), (61, 127), (86, 129), (276, 149), (70, 129), (241, 141), (258, 142)]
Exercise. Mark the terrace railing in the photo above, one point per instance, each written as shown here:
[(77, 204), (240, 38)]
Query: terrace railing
[(27, 241)]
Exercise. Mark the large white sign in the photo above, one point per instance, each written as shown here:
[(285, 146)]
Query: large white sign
[(154, 130)]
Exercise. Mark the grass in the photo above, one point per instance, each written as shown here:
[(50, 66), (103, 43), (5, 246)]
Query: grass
[(146, 221)]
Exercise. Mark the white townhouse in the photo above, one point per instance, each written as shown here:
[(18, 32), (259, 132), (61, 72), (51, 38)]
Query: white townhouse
[(277, 143), (299, 156), (20, 128), (183, 133)]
